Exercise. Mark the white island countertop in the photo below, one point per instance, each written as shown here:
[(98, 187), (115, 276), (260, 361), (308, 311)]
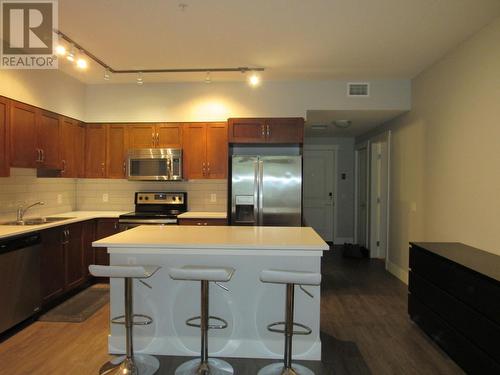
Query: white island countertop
[(154, 239)]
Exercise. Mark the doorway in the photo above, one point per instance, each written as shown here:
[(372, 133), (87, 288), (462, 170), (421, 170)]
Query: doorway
[(379, 198), (319, 191), (361, 159)]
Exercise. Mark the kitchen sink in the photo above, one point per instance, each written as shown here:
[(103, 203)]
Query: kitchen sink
[(38, 221)]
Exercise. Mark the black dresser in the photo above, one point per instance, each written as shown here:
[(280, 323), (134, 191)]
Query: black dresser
[(454, 296)]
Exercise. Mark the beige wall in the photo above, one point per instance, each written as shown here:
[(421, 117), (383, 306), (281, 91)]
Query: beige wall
[(48, 89), (445, 170), (220, 100)]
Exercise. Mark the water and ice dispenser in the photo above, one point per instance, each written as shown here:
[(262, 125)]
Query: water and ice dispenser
[(244, 209)]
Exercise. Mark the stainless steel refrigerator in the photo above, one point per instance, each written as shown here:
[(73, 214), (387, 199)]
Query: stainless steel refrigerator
[(266, 190)]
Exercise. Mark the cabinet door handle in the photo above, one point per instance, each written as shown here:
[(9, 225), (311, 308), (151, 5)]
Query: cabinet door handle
[(203, 169), (102, 169), (157, 139), (38, 155), (153, 139), (63, 170), (208, 169), (42, 153), (263, 131), (268, 132), (124, 168)]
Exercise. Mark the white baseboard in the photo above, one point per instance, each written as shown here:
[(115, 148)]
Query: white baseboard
[(397, 271), (343, 240)]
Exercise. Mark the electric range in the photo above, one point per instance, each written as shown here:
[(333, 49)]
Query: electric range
[(154, 208)]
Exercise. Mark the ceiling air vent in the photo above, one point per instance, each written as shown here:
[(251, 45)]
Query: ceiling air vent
[(358, 89)]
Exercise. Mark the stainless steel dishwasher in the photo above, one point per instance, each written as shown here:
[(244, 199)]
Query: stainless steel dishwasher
[(19, 279)]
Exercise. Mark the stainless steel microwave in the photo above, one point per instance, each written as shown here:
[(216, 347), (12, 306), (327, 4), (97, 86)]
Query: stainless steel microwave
[(154, 164)]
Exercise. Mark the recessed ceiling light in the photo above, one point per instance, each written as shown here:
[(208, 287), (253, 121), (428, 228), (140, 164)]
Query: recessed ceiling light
[(254, 80), (342, 123)]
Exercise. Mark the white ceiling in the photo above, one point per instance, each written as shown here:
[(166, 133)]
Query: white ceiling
[(361, 122), (292, 39)]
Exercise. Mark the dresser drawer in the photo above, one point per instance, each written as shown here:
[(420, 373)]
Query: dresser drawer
[(474, 289), (468, 356), (476, 327)]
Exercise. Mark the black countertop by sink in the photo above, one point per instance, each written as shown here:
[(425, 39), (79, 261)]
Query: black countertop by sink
[(478, 260)]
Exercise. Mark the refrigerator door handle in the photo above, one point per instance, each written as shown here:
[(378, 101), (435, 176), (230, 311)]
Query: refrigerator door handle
[(256, 192), (261, 193)]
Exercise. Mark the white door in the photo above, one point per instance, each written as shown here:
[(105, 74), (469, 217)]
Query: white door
[(378, 199), (319, 172), (362, 197)]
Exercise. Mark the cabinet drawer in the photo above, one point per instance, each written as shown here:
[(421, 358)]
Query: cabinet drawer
[(476, 327), (468, 356), (474, 289), (203, 222)]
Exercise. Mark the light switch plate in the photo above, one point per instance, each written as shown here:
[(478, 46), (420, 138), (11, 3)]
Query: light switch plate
[(105, 197), (213, 198)]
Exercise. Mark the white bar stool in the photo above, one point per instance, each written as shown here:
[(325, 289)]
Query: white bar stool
[(290, 278), (130, 363), (204, 365)]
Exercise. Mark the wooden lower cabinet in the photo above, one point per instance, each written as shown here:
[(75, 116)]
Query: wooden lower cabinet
[(203, 222), (52, 264), (105, 228), (88, 236), (74, 256)]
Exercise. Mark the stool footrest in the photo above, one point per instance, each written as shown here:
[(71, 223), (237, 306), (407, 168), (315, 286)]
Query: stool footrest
[(146, 320), (223, 324), (306, 330)]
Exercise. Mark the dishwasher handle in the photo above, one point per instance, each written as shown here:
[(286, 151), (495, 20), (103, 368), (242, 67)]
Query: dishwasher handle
[(19, 242)]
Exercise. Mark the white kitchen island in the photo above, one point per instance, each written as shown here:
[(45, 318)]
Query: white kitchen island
[(249, 305)]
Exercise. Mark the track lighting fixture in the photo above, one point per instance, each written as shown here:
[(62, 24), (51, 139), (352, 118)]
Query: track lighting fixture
[(71, 54), (82, 63), (140, 80), (254, 80)]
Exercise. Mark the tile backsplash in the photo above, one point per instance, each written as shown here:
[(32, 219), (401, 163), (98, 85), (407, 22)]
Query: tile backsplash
[(66, 194), (109, 194), (23, 187)]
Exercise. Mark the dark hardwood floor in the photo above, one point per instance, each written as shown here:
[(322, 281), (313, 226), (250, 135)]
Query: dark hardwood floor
[(367, 306), (364, 323)]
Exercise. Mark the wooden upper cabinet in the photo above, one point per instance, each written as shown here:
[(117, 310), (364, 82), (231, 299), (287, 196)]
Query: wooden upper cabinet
[(142, 135), (80, 149), (194, 150), (266, 130), (246, 130), (4, 144), (216, 150), (24, 152), (116, 150), (168, 135), (69, 142), (95, 151), (155, 135), (48, 139), (285, 130), (205, 150)]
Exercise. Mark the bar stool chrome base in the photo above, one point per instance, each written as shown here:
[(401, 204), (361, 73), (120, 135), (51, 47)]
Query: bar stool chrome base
[(141, 364), (213, 367), (279, 369)]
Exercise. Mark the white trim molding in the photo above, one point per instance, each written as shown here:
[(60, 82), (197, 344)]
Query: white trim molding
[(397, 271)]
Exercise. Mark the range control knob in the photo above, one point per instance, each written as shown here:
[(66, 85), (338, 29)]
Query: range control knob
[(146, 198), (140, 198)]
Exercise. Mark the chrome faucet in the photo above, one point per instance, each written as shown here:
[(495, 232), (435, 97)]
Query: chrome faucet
[(22, 210)]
